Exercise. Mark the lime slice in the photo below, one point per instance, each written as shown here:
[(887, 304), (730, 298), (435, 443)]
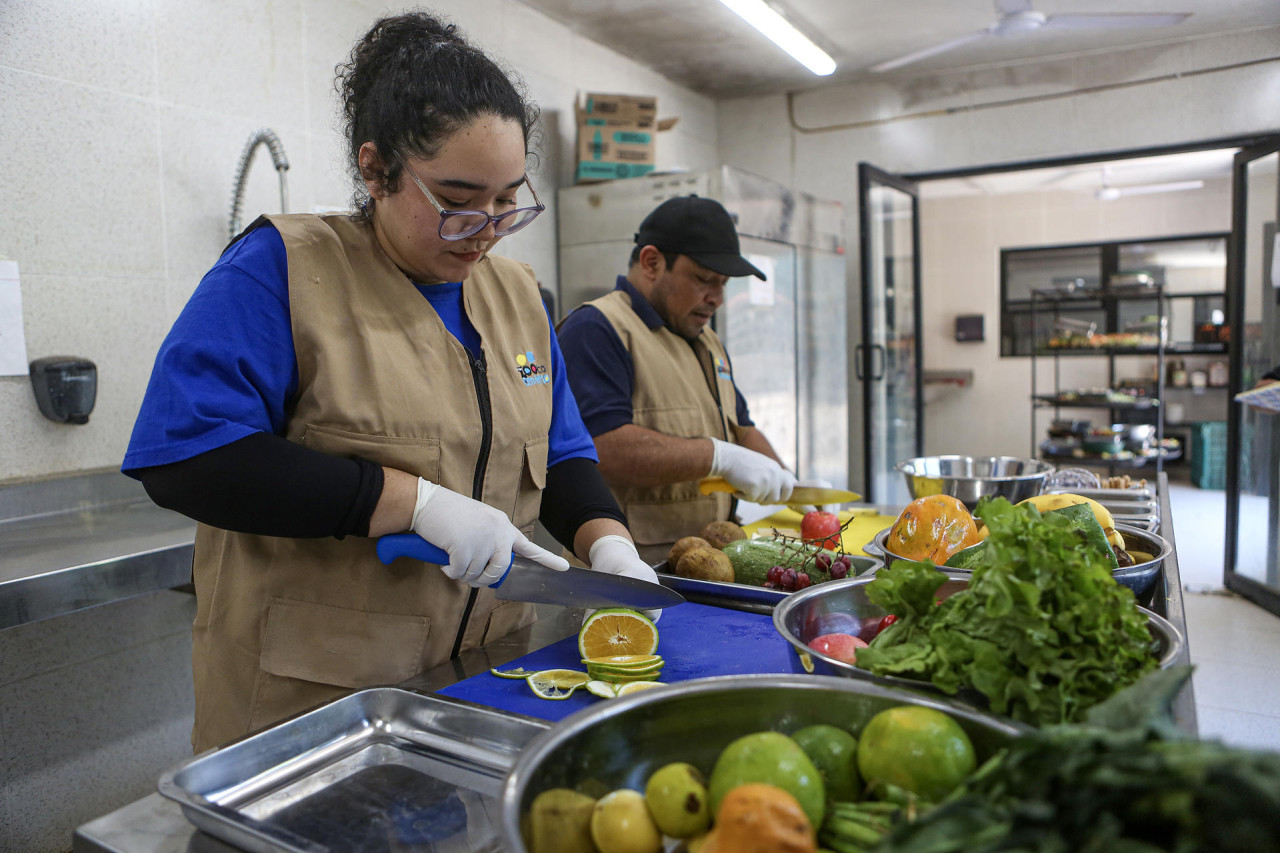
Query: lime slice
[(518, 672), (603, 689), (617, 631), (625, 679), (557, 683), (637, 686), (626, 670)]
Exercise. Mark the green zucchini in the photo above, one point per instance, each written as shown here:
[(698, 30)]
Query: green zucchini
[(752, 559)]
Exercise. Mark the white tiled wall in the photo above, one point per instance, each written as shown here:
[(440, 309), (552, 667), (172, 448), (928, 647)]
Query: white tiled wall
[(122, 124)]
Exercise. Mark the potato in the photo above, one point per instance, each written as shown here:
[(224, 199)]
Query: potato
[(708, 564), (681, 546), (721, 533)]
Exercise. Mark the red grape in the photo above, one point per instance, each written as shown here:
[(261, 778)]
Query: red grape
[(839, 571), (802, 581), (823, 562)]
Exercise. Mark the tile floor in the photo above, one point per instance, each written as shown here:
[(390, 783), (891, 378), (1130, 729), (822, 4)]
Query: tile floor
[(1235, 645)]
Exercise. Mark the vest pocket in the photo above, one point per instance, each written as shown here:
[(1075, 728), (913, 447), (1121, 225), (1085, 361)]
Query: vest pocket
[(418, 456), (533, 479), (506, 618), (339, 646)]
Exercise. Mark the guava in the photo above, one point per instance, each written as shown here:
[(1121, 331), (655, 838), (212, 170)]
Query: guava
[(677, 798), (621, 823), (560, 822), (835, 753), (774, 759)]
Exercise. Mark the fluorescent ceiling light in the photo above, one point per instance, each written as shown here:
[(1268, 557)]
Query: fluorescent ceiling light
[(780, 31), (1113, 193)]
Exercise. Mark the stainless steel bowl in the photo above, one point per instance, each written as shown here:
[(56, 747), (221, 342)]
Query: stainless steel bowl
[(620, 742), (1137, 577), (843, 606), (970, 478)]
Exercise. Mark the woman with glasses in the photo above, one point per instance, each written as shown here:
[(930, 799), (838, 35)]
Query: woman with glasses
[(336, 378)]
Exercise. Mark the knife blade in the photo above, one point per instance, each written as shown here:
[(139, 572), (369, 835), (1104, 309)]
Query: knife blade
[(527, 580), (800, 495)]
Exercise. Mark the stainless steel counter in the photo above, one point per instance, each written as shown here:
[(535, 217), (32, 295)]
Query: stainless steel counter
[(156, 825), (77, 542)]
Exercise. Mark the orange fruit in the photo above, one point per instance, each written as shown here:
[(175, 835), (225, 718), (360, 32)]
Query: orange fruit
[(916, 748)]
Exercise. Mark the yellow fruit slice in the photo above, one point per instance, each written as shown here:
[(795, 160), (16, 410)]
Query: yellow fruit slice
[(556, 683), (637, 686), (603, 689), (518, 672), (623, 660), (624, 679), (617, 631)]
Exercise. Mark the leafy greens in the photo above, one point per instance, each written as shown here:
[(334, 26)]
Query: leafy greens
[(1042, 630)]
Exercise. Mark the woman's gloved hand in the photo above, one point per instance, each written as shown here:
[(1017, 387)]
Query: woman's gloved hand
[(753, 474), (480, 539), (617, 555)]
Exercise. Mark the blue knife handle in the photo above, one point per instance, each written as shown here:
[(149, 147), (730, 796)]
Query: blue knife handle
[(412, 545)]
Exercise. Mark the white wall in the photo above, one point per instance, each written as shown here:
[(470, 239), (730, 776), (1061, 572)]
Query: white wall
[(122, 125), (961, 238), (1166, 94)]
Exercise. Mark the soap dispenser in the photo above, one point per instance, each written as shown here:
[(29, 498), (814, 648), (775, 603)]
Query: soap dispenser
[(66, 387)]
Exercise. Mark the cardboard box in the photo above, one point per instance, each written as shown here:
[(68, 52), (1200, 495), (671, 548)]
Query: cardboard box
[(617, 136)]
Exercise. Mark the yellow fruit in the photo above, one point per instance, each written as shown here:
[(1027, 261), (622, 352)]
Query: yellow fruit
[(621, 823), (677, 798), (556, 683), (1048, 503), (617, 631), (560, 822)]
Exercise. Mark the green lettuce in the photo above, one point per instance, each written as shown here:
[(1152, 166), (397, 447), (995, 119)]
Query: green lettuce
[(1043, 630)]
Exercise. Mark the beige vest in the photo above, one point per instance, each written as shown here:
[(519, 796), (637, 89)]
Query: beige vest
[(683, 390), (283, 624)]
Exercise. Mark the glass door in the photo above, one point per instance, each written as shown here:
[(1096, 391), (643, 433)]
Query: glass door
[(889, 360), (1252, 559)]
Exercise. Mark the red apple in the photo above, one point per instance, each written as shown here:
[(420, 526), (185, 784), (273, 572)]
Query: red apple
[(818, 524), (842, 647)]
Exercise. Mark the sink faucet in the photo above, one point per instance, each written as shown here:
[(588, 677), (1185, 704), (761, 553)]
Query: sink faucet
[(266, 137)]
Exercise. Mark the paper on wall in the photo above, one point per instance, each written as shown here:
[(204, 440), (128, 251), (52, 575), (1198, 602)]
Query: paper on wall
[(13, 342)]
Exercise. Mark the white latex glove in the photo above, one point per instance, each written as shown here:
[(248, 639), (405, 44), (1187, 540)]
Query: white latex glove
[(757, 476), (480, 539), (819, 483), (617, 555)]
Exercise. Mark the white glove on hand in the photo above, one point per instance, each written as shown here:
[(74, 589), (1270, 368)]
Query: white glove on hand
[(757, 476), (617, 555), (819, 483), (479, 538)]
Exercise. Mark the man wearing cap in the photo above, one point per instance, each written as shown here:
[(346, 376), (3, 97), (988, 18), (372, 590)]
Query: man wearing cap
[(655, 386)]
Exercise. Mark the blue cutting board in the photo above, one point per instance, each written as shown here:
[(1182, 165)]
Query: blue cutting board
[(695, 641)]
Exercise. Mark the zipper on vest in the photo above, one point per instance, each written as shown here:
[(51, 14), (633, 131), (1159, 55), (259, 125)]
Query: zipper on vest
[(481, 381)]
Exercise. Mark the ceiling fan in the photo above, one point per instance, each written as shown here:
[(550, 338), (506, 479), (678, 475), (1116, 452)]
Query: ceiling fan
[(1016, 17)]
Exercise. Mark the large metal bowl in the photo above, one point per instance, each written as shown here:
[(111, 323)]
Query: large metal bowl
[(971, 478), (1137, 577), (843, 606), (619, 743)]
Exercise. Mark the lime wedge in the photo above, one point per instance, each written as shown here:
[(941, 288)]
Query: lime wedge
[(518, 672), (617, 631), (603, 689), (556, 683), (637, 686)]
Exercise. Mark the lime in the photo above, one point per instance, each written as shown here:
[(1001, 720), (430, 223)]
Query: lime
[(617, 631), (835, 753), (518, 672), (603, 689), (636, 687), (557, 683), (920, 749)]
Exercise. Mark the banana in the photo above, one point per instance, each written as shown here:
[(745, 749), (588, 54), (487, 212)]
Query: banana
[(1048, 503)]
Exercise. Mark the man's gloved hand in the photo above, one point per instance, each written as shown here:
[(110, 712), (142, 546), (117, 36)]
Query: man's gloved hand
[(479, 538), (617, 555), (757, 476)]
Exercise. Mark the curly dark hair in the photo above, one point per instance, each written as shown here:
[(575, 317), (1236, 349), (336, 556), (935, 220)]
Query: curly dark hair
[(410, 83)]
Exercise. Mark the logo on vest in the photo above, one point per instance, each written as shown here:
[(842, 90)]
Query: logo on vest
[(530, 372), (722, 369)]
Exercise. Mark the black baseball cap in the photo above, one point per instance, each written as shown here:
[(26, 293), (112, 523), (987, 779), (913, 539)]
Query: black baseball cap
[(700, 228)]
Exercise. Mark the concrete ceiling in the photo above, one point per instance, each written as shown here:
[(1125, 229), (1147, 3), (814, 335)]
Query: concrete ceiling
[(703, 45)]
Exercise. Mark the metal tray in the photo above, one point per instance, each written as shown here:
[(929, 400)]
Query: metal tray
[(742, 596), (379, 770)]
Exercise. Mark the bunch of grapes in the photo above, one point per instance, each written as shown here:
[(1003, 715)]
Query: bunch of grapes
[(786, 578), (838, 567)]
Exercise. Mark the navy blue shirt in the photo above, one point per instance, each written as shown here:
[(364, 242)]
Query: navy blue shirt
[(228, 368), (603, 375)]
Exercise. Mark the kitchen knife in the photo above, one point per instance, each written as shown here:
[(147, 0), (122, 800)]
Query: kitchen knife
[(800, 496), (526, 580)]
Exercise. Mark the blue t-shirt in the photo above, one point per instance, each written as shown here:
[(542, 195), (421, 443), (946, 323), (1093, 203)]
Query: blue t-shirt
[(228, 368), (603, 374)]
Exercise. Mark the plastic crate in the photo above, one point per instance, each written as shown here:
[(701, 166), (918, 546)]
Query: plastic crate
[(1209, 455)]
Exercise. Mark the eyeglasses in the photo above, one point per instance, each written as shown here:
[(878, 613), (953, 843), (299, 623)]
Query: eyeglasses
[(461, 224)]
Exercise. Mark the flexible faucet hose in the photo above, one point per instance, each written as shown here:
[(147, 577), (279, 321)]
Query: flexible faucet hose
[(266, 137)]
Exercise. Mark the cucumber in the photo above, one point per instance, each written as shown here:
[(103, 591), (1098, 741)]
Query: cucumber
[(752, 559), (969, 558)]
